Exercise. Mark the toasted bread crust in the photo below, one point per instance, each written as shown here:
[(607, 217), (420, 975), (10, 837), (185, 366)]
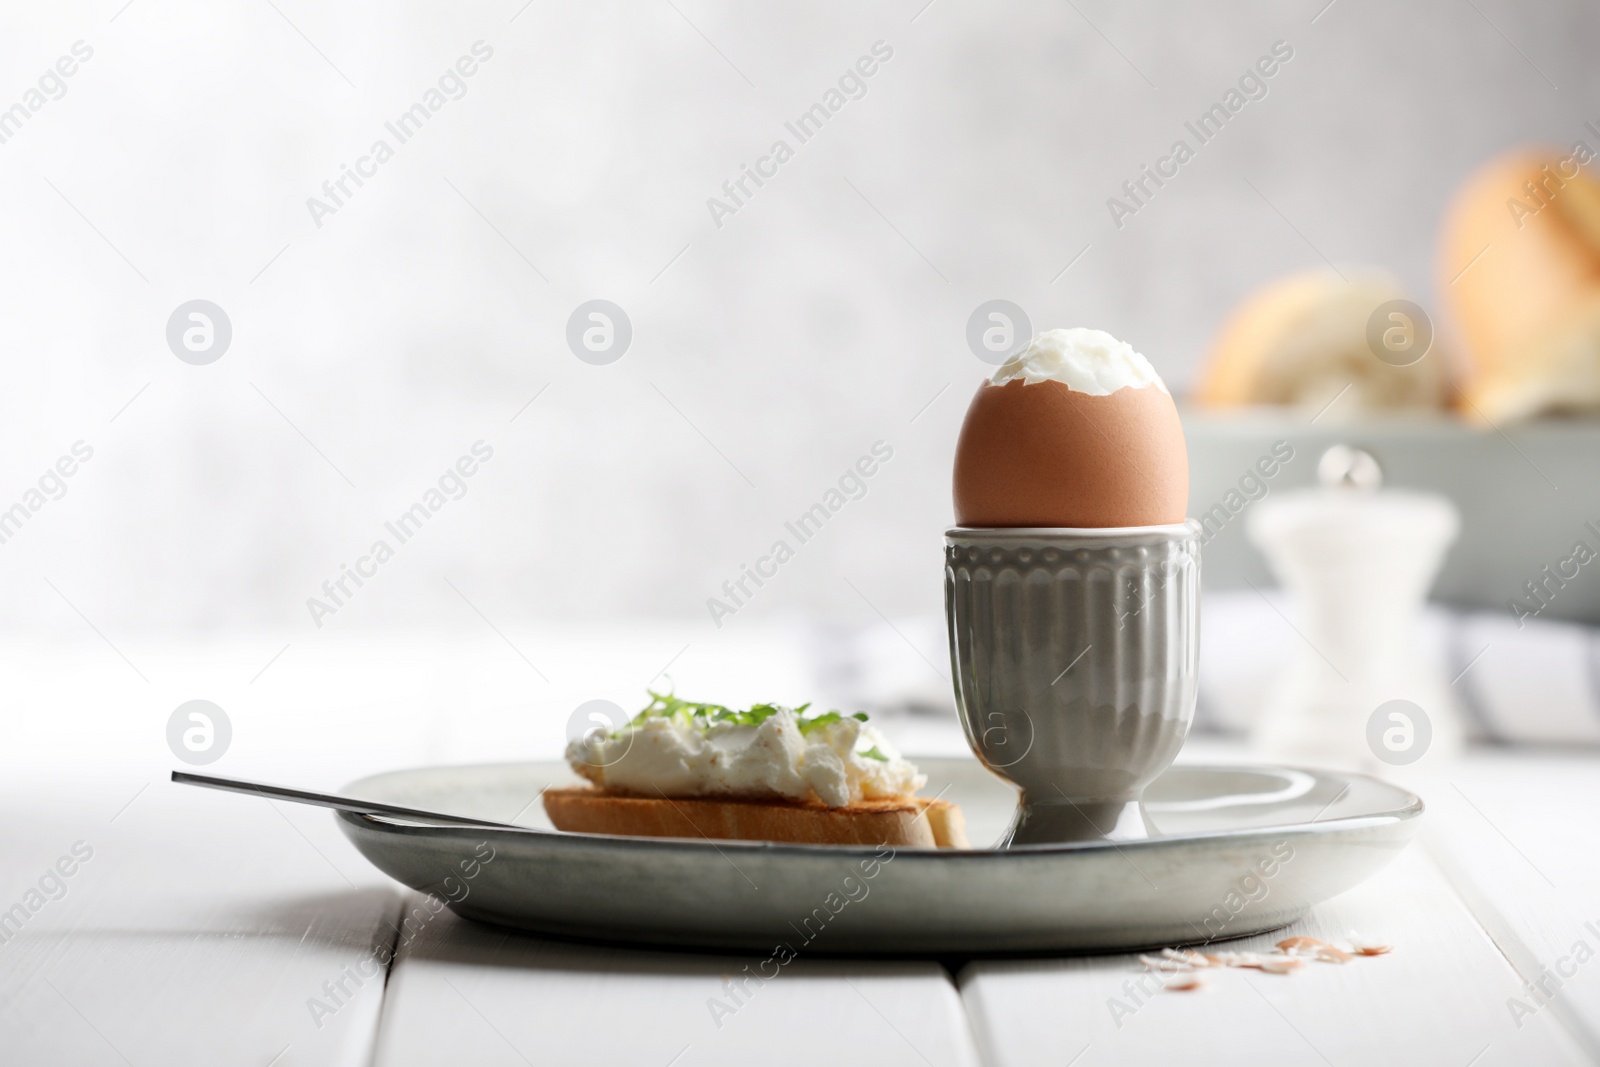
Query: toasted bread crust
[(906, 822)]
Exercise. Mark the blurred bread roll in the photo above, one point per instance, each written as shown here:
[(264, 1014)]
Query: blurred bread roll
[(1519, 265), (1302, 340)]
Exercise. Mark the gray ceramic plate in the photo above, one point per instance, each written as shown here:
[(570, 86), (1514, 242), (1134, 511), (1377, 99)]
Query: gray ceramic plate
[(1242, 850)]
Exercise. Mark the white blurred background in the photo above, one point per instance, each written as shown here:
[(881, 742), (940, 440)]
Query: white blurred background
[(768, 354)]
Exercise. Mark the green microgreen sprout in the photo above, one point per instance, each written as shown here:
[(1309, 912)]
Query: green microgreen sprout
[(694, 715)]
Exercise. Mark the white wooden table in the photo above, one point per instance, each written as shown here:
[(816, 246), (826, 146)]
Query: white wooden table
[(212, 929)]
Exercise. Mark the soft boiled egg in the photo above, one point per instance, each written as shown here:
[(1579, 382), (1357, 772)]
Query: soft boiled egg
[(1076, 430)]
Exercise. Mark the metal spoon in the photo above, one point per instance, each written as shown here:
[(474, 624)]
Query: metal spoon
[(339, 803)]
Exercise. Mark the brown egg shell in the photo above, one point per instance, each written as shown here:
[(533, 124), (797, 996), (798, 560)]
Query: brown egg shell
[(1046, 455)]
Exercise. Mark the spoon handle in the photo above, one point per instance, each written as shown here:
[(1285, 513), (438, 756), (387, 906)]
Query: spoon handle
[(333, 800)]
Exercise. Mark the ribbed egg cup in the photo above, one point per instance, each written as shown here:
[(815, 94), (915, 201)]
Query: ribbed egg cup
[(1074, 654)]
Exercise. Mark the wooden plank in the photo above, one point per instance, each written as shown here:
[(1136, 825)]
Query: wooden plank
[(1437, 998), (1517, 832), (466, 993), (187, 931)]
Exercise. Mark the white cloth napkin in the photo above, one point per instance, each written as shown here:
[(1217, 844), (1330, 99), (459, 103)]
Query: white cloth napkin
[(1538, 683)]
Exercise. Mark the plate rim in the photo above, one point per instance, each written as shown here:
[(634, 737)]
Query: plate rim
[(1409, 811)]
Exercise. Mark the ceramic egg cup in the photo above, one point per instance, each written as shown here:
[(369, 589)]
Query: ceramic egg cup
[(1074, 654)]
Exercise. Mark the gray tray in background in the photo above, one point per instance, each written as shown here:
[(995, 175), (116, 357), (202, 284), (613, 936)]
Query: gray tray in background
[(1525, 495)]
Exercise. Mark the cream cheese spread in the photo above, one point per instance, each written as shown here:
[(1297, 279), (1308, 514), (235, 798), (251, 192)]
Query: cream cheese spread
[(837, 759)]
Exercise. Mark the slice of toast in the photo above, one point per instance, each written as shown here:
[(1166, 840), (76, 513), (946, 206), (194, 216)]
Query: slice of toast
[(905, 822)]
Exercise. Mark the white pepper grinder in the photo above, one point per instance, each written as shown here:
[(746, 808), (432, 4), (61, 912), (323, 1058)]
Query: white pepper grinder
[(1357, 562)]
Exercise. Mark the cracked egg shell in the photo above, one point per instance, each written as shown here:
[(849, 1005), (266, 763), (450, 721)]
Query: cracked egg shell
[(1044, 454)]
